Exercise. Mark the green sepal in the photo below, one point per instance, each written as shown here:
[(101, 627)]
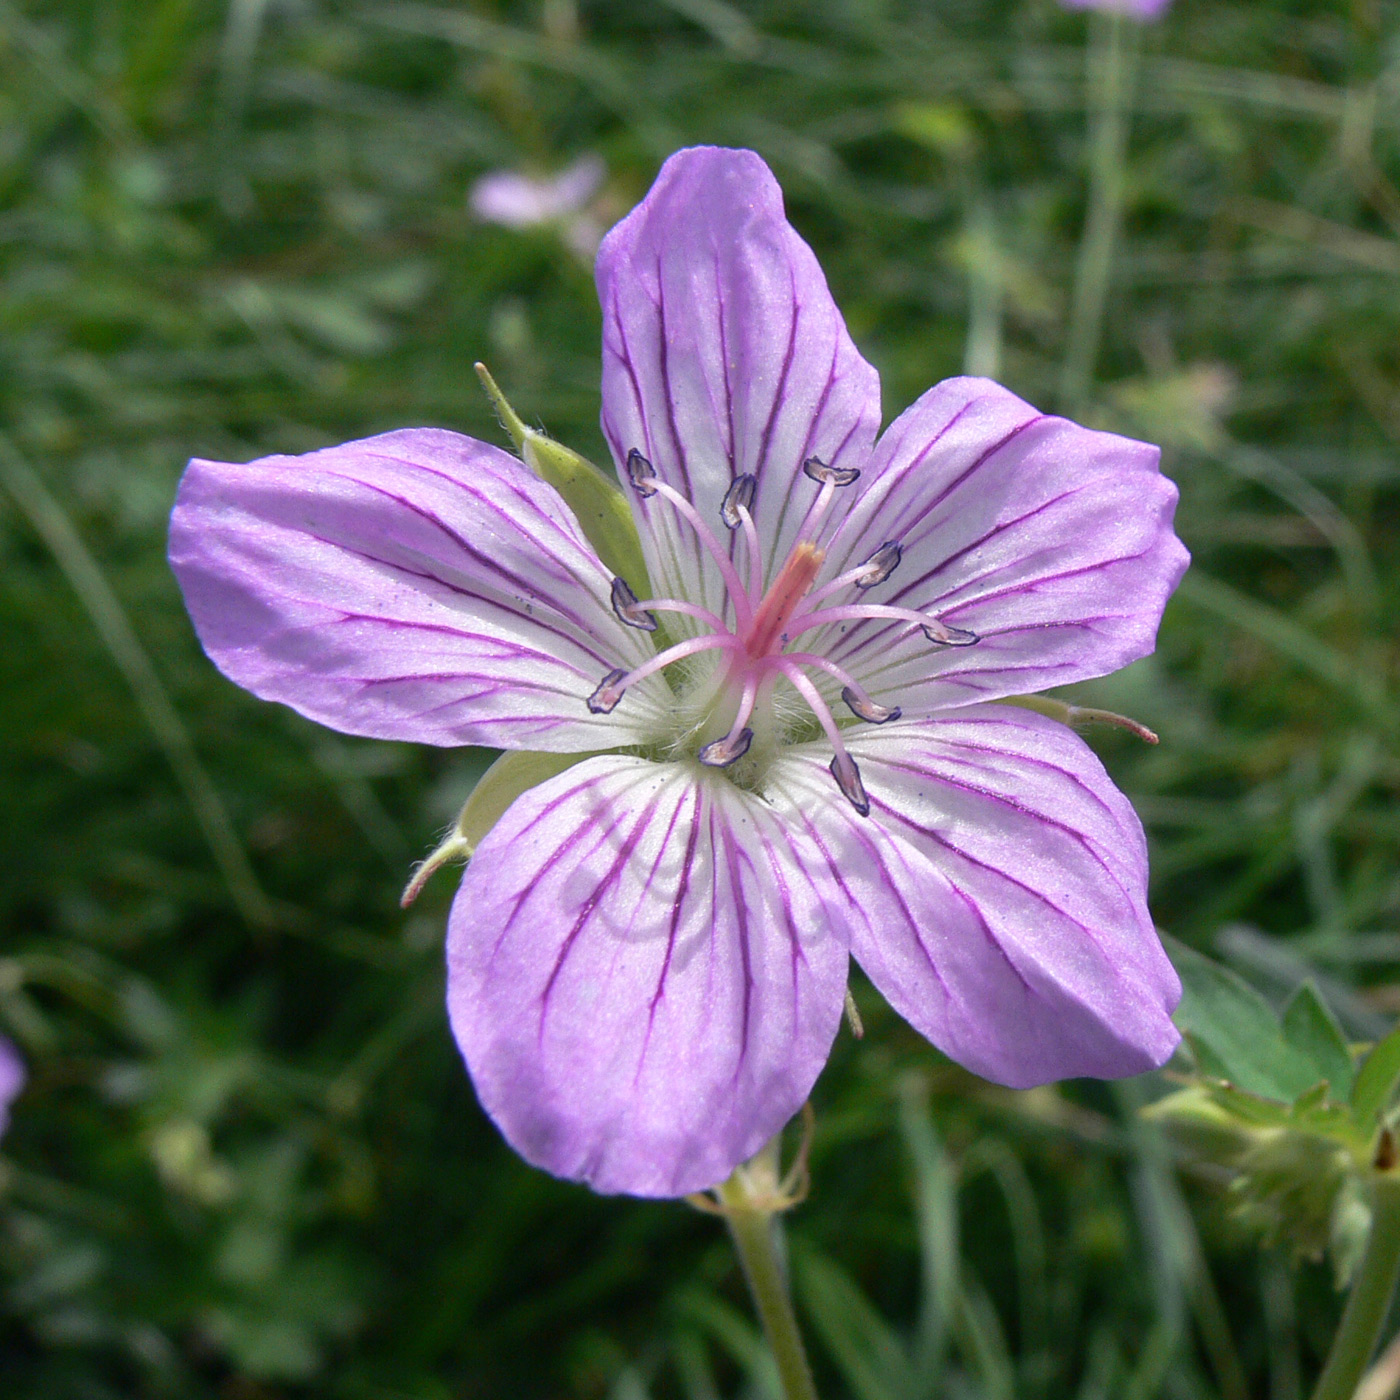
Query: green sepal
[(1310, 1028), (1249, 1109), (513, 773), (1375, 1082), (1234, 1032), (599, 505)]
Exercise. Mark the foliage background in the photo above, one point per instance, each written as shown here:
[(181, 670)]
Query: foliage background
[(248, 1164)]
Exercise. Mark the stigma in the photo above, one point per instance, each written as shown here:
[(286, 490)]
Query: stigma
[(754, 631)]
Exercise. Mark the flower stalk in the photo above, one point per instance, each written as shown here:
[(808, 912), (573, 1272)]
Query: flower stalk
[(1369, 1300), (751, 1202)]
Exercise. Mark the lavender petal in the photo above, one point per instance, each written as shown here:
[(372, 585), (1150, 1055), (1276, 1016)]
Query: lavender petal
[(998, 895), (419, 585), (640, 974), (1052, 543), (724, 354)]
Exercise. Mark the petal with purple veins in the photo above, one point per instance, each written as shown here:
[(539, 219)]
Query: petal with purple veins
[(641, 975), (1051, 542), (419, 585), (724, 354), (999, 895)]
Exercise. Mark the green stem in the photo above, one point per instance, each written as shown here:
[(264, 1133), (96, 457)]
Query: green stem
[(1369, 1302), (756, 1242), (1110, 82)]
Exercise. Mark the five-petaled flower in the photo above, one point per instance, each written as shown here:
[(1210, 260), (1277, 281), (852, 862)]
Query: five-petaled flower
[(789, 750)]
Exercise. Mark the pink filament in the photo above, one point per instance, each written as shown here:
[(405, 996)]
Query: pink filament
[(743, 607)]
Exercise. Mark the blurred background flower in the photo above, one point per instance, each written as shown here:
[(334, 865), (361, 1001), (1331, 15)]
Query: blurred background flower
[(12, 1080), (520, 201)]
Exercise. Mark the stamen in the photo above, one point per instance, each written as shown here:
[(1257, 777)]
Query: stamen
[(830, 478), (843, 766), (605, 699), (676, 605), (875, 570), (743, 608), (847, 775), (624, 603), (932, 628), (740, 493), (881, 564), (861, 705), (612, 687), (720, 753), (641, 473), (818, 470), (755, 551)]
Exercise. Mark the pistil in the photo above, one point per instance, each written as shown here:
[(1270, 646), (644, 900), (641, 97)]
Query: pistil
[(783, 599)]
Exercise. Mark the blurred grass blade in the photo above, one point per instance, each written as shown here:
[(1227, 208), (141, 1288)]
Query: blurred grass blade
[(109, 618), (1288, 638), (936, 1212), (868, 1353), (1028, 1241)]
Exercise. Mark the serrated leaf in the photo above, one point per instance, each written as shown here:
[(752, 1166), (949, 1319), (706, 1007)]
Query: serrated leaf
[(1310, 1028), (1249, 1108), (1235, 1031), (1375, 1081)]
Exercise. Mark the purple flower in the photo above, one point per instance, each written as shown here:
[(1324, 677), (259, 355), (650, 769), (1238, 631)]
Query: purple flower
[(12, 1080), (789, 746), (1135, 9)]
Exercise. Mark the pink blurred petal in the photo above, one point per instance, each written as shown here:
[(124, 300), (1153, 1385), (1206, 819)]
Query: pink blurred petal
[(526, 201), (13, 1077)]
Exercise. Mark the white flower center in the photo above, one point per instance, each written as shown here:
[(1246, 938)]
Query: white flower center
[(754, 649)]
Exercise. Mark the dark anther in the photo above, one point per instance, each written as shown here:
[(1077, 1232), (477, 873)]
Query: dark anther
[(740, 493), (950, 636), (604, 700), (847, 777), (720, 753), (641, 473), (868, 710), (881, 564), (837, 476), (624, 603)]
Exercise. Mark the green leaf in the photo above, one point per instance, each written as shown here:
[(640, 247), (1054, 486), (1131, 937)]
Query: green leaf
[(1310, 1028), (1235, 1032), (1375, 1081)]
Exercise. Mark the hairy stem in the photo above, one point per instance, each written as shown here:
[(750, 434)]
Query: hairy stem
[(755, 1233), (1369, 1301)]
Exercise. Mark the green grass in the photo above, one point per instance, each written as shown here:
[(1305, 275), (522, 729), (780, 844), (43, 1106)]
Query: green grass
[(249, 1164)]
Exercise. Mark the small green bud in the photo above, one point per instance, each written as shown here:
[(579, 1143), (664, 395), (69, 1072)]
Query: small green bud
[(602, 510)]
